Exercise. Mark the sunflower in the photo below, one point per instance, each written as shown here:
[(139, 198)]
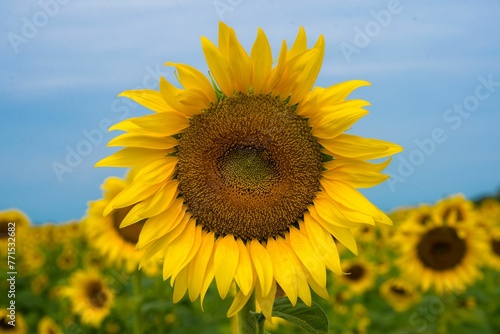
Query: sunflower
[(39, 283), (67, 260), (12, 324), (90, 296), (399, 294), (115, 244), (422, 215), (454, 209), (443, 254), (33, 261), (248, 178), (47, 325), (12, 222), (359, 277)]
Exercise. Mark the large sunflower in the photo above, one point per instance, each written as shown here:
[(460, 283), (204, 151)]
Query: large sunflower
[(249, 178), (444, 254), (90, 296)]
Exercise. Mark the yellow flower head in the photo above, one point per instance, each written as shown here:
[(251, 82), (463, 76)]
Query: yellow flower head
[(12, 323), (248, 179), (90, 296), (399, 294), (445, 253), (47, 325), (13, 222), (360, 276)]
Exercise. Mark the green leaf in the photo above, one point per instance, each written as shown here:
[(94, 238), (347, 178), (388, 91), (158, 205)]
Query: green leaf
[(312, 318)]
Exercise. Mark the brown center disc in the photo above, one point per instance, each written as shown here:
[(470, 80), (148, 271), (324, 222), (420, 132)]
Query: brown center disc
[(495, 246), (248, 166), (441, 249), (97, 296), (356, 272), (399, 290)]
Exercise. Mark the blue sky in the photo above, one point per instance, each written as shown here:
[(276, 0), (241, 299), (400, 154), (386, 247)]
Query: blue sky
[(434, 66)]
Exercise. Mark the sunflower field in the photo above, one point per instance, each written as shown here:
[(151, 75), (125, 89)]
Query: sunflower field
[(437, 270), (240, 213)]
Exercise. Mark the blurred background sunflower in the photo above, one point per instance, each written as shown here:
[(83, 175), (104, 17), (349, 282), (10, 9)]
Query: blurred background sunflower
[(89, 295), (445, 253)]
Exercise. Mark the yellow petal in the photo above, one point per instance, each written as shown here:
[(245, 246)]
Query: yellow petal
[(194, 249), (336, 111), (295, 68), (158, 226), (277, 72), (342, 234), (305, 252), (223, 39), (172, 94), (133, 216), (336, 123), (283, 267), (207, 279), (180, 286), (239, 301), (129, 157), (126, 125), (199, 264), (162, 200), (265, 301), (303, 290), (140, 140), (351, 146), (149, 98), (305, 81), (354, 200), (157, 247), (339, 92), (178, 250), (135, 192), (323, 245), (218, 66), (328, 210), (191, 78), (226, 258), (167, 123), (157, 170), (262, 265), (240, 63), (318, 289), (261, 57), (356, 173), (244, 274), (300, 43)]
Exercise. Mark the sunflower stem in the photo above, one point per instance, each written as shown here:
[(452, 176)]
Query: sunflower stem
[(247, 322), (260, 326), (138, 302)]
